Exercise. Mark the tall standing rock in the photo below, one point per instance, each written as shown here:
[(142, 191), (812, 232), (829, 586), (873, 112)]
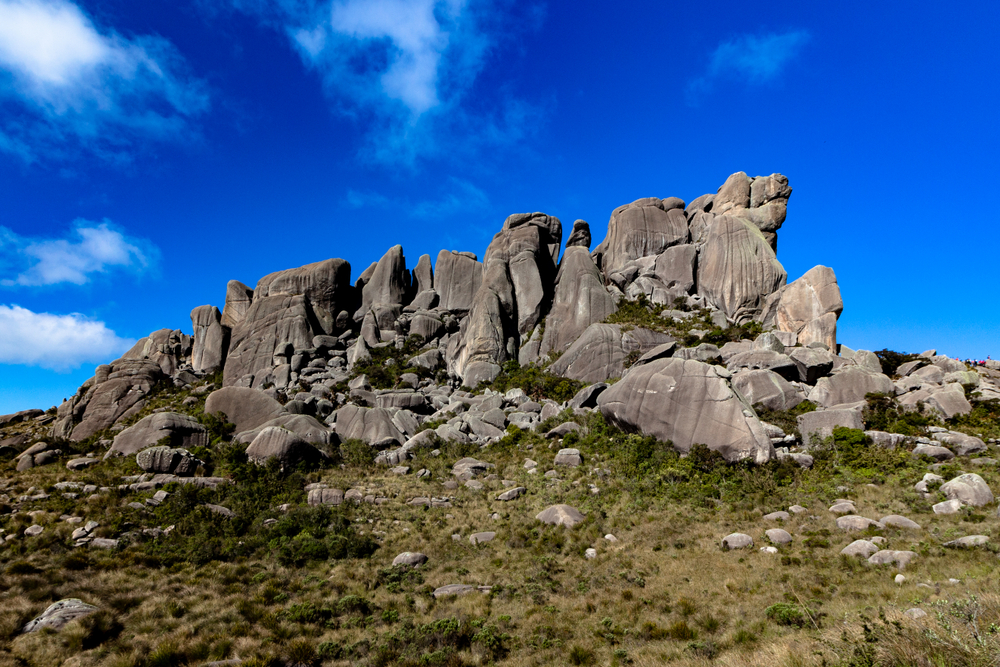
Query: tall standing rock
[(389, 283), (326, 286), (808, 307), (580, 236), (580, 300), (211, 339), (423, 275), (737, 269), (762, 201), (238, 300), (640, 229), (458, 277), (687, 402)]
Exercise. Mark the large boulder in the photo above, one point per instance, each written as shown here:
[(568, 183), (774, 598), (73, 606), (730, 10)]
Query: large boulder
[(276, 443), (762, 200), (238, 300), (325, 285), (306, 427), (560, 515), (849, 384), (374, 426), (600, 353), (737, 269), (818, 425), (166, 428), (687, 402), (808, 307), (969, 489), (117, 392), (271, 321), (244, 407), (167, 461), (580, 300), (643, 228), (767, 388), (457, 278), (211, 339), (580, 236), (58, 614)]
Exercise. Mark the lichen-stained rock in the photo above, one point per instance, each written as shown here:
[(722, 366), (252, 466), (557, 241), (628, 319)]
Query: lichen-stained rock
[(737, 269), (374, 426), (687, 402), (580, 300), (580, 236), (767, 388), (850, 384), (457, 278), (270, 322), (244, 407), (599, 353), (389, 283), (325, 285), (643, 228), (808, 307), (211, 339), (99, 405), (179, 431), (238, 300)]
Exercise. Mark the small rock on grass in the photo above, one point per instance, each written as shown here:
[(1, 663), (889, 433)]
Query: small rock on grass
[(915, 613), (737, 541), (778, 536), (777, 516), (410, 559), (968, 541)]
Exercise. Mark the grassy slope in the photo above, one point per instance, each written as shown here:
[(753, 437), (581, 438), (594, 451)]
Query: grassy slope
[(664, 593)]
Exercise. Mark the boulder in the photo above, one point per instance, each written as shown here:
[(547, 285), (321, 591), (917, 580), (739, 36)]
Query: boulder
[(569, 457), (325, 287), (859, 548), (675, 269), (855, 522), (100, 405), (306, 427), (57, 615), (767, 388), (277, 443), (580, 300), (687, 402), (168, 428), (808, 307), (967, 542), (374, 426), (812, 363), (969, 489), (244, 407), (960, 443), (388, 284), (211, 339), (934, 452), (580, 236), (512, 494), (897, 521), (423, 275), (271, 324), (889, 557), (850, 384), (560, 515), (765, 360), (950, 401), (947, 507), (737, 269), (778, 536), (737, 541), (600, 353), (409, 558), (238, 300), (643, 228), (168, 460), (817, 425), (324, 496)]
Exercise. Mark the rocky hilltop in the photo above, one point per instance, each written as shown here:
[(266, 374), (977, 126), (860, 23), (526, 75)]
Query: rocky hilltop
[(654, 451)]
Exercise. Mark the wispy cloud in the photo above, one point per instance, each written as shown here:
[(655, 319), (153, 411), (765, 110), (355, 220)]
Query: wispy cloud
[(91, 248), (404, 69), (56, 342), (458, 196), (67, 85), (749, 59)]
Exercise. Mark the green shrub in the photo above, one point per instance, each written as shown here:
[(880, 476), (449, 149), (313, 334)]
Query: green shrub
[(784, 613), (536, 382), (891, 361), (357, 453)]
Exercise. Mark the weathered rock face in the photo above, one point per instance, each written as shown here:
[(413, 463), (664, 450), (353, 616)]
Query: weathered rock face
[(106, 398), (737, 269), (762, 201), (687, 402), (580, 300), (372, 425), (270, 322), (57, 615), (325, 285), (520, 268), (179, 430), (808, 307), (850, 384), (599, 353), (580, 236), (167, 349), (458, 277), (276, 443), (768, 389), (168, 461), (389, 283), (211, 339), (238, 300), (640, 229), (244, 407), (423, 275)]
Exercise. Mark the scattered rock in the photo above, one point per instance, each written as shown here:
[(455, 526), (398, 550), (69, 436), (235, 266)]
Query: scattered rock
[(778, 536), (737, 541), (409, 559), (57, 615), (560, 515)]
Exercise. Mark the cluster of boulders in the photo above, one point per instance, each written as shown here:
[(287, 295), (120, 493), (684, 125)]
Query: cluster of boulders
[(287, 348)]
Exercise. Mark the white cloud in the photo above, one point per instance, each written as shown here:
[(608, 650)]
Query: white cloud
[(65, 81), (91, 248), (56, 342), (749, 59)]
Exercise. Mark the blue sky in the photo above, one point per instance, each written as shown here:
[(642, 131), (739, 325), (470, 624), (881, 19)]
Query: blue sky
[(151, 151)]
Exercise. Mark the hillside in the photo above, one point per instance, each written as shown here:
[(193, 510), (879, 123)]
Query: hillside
[(655, 452)]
